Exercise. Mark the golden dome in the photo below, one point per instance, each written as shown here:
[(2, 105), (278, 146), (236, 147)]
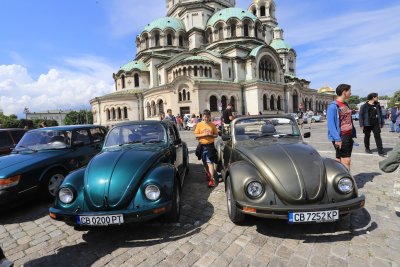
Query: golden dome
[(326, 89)]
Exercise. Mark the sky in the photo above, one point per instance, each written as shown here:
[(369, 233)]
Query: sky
[(60, 54)]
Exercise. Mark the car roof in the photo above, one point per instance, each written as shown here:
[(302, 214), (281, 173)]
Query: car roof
[(68, 127), (148, 122)]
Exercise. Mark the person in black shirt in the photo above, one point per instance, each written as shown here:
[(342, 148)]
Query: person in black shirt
[(370, 119), (227, 116)]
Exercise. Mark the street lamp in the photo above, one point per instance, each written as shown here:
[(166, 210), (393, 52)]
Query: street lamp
[(26, 111)]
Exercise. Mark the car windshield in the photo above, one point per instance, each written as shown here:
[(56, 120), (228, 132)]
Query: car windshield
[(135, 133), (44, 139), (266, 127)]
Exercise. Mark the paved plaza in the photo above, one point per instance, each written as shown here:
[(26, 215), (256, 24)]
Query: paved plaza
[(206, 237)]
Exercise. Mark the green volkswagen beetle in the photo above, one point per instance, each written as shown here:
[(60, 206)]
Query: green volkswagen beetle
[(43, 157), (270, 172), (137, 176)]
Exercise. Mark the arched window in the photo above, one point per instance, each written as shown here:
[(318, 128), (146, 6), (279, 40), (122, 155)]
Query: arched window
[(169, 39), (246, 30), (267, 69), (108, 115), (272, 102), (184, 94), (265, 102), (119, 113), (206, 71), (160, 106), (148, 107), (220, 34), (157, 39), (146, 41), (254, 12), (125, 112), (213, 103), (195, 71), (188, 96), (224, 102), (233, 30), (184, 71), (180, 96), (278, 103), (210, 71), (153, 108), (233, 103), (136, 78), (123, 81), (295, 101), (180, 41), (113, 113), (262, 11), (210, 36)]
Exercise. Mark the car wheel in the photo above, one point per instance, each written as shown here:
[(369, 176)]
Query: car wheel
[(234, 214), (174, 213), (313, 120), (50, 184)]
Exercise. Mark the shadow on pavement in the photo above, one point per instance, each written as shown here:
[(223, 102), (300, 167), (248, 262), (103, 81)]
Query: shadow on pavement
[(25, 212), (359, 223), (365, 177), (99, 242)]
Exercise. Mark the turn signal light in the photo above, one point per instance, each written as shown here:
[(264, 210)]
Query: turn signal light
[(247, 209), (9, 182), (52, 215), (157, 211)]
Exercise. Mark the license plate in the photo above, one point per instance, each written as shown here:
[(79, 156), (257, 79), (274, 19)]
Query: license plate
[(100, 220), (314, 216)]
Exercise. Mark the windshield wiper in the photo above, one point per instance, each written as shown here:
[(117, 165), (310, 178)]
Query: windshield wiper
[(31, 149), (132, 142), (152, 141)]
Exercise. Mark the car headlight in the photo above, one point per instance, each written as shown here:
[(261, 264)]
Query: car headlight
[(254, 189), (66, 195), (345, 185), (152, 192)]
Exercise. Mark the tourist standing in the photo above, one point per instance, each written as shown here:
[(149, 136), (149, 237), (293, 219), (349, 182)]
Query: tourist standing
[(393, 116), (371, 121), (341, 130), (169, 116), (179, 122), (227, 117), (300, 116), (310, 114), (206, 132)]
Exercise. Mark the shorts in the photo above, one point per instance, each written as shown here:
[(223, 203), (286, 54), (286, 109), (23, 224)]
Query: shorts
[(347, 147), (204, 156)]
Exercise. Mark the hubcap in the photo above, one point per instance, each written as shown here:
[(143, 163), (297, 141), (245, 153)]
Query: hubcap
[(54, 183)]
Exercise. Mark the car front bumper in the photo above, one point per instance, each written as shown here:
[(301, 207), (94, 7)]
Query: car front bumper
[(282, 212), (130, 216)]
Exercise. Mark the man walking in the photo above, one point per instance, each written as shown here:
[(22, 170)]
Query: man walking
[(341, 130), (371, 121), (227, 116)]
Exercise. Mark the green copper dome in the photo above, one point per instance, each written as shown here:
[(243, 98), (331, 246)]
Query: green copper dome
[(232, 12), (280, 44), (163, 23), (138, 65)]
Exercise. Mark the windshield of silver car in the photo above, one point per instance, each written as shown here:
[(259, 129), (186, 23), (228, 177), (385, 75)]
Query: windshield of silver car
[(42, 140), (135, 133), (266, 128)]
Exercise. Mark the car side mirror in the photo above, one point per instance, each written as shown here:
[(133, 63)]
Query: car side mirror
[(78, 143), (226, 137), (307, 135)]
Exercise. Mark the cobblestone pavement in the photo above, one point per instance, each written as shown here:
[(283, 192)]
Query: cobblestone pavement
[(206, 237)]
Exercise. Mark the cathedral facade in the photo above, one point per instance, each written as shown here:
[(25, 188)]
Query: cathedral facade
[(203, 55)]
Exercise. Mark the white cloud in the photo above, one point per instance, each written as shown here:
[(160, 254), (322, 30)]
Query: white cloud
[(59, 88)]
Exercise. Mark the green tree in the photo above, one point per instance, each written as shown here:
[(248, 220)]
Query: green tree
[(394, 99), (78, 117)]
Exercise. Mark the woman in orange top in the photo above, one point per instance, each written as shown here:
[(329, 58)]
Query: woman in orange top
[(206, 132)]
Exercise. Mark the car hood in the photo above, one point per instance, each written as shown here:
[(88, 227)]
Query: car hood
[(13, 163), (295, 171), (112, 177)]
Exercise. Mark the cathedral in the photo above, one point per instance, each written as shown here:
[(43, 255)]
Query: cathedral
[(206, 54)]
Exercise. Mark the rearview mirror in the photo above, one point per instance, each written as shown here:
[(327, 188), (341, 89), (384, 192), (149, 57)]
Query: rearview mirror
[(307, 135)]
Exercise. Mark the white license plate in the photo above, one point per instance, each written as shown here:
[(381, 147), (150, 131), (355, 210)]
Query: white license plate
[(100, 220), (314, 216)]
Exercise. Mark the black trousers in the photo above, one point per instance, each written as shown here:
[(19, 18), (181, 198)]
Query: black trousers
[(1, 254), (376, 129)]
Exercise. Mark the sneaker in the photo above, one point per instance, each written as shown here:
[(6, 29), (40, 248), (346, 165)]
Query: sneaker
[(367, 150), (211, 183), (6, 263)]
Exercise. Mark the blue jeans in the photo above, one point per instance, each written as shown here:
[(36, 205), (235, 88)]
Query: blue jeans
[(392, 126)]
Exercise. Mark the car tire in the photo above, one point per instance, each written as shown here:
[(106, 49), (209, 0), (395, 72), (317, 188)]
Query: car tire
[(313, 120), (234, 214), (50, 184), (174, 213)]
